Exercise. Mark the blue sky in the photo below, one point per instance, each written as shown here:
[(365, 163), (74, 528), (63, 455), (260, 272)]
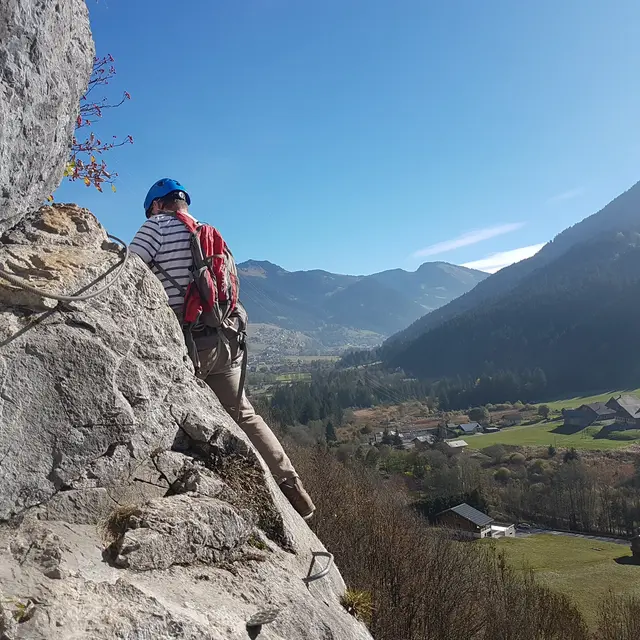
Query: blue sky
[(362, 135)]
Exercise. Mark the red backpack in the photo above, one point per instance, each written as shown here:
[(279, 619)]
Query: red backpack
[(212, 295)]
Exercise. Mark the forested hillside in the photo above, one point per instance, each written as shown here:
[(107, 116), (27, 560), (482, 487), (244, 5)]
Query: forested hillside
[(576, 319), (621, 214)]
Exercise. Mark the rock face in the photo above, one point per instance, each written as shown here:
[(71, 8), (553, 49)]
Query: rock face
[(131, 505), (46, 53)]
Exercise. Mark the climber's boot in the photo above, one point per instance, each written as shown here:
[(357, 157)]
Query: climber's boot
[(298, 497)]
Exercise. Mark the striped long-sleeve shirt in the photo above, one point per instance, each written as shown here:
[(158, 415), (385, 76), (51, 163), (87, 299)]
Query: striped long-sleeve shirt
[(163, 240)]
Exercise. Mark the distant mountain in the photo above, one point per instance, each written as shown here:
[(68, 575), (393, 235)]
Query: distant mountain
[(621, 214), (338, 311), (572, 310)]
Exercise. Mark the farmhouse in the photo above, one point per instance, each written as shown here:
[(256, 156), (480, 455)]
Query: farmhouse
[(587, 414), (423, 442), (470, 428), (627, 410), (466, 521), (574, 418), (511, 419), (466, 427)]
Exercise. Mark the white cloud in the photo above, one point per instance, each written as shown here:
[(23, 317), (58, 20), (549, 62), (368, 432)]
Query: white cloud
[(466, 239), (497, 261), (566, 195)]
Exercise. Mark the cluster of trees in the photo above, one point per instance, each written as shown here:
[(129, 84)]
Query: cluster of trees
[(333, 391), (491, 387), (573, 494), (330, 393), (554, 490), (359, 357), (422, 584), (573, 320)]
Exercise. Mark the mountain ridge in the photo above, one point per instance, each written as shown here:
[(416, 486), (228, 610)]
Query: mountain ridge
[(316, 300), (273, 266), (618, 215), (569, 313)]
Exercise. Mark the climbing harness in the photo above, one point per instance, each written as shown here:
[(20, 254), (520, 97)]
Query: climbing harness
[(18, 282)]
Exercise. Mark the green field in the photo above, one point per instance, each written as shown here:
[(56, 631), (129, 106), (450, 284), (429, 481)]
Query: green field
[(541, 434), (583, 569), (573, 403), (294, 377)]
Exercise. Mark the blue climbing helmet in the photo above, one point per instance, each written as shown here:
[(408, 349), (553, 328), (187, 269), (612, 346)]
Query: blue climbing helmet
[(163, 188)]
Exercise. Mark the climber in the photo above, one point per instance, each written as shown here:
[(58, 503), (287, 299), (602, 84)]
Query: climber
[(218, 351)]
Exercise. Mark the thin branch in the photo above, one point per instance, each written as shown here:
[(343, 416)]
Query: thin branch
[(82, 164)]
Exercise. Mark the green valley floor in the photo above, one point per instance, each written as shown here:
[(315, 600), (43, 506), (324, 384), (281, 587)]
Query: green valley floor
[(582, 568), (549, 433)]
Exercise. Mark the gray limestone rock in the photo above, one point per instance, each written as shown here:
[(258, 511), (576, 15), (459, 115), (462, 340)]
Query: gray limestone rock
[(131, 504), (40, 547), (46, 54), (184, 530), (8, 624)]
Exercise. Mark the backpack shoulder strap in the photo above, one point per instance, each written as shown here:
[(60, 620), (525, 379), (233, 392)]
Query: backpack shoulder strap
[(243, 373), (186, 220), (192, 226), (171, 279)]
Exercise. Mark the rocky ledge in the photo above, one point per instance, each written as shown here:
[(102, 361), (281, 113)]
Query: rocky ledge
[(131, 505)]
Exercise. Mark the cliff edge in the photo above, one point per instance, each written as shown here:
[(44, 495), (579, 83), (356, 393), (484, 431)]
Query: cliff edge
[(131, 504)]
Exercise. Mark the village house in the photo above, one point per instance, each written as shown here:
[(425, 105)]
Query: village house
[(503, 530), (456, 445), (423, 442), (470, 428), (624, 409), (511, 419), (627, 410)]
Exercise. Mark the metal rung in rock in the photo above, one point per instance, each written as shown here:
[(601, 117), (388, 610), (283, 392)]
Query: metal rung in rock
[(322, 573)]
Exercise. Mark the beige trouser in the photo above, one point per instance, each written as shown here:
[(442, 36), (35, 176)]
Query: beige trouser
[(221, 369)]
